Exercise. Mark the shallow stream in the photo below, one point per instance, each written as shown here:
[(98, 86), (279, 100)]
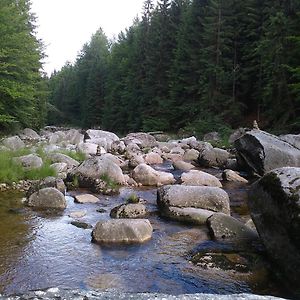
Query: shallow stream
[(40, 250)]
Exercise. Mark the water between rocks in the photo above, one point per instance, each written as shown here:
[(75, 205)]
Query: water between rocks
[(40, 250)]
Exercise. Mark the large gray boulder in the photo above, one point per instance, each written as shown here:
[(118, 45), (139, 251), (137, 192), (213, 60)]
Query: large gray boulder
[(293, 139), (14, 143), (215, 157), (29, 134), (97, 167), (144, 140), (30, 161), (47, 198), (63, 158), (274, 201), (196, 177), (224, 227), (146, 175), (74, 136), (260, 152), (122, 231), (187, 203), (100, 137)]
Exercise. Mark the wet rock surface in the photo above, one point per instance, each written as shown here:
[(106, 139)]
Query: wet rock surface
[(55, 293), (274, 202)]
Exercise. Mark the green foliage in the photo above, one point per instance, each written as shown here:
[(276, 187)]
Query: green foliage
[(11, 171), (22, 88), (132, 198), (77, 155), (110, 183), (190, 65)]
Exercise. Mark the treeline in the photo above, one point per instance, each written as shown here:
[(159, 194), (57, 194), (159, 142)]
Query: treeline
[(196, 65), (22, 86)]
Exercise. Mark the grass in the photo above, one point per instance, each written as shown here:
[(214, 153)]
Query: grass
[(110, 183), (11, 171), (132, 198), (78, 155)]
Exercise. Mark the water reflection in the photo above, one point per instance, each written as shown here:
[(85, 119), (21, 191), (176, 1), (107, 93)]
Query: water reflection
[(41, 250)]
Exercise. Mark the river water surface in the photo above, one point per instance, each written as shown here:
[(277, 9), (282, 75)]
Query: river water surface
[(40, 250)]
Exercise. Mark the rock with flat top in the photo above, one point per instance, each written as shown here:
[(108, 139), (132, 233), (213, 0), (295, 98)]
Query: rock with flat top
[(86, 198), (122, 231), (195, 177)]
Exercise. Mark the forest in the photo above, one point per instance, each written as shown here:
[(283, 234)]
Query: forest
[(192, 66)]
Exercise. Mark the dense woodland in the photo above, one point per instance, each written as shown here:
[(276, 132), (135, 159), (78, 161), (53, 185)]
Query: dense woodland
[(22, 87), (189, 65)]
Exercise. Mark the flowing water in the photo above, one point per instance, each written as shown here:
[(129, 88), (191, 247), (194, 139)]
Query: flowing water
[(41, 250)]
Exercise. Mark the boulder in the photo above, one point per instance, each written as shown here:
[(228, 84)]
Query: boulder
[(177, 150), (135, 160), (183, 166), (47, 183), (62, 158), (225, 227), (29, 162), (47, 198), (236, 135), (153, 158), (260, 152), (122, 231), (146, 175), (195, 177), (89, 149), (229, 175), (292, 139), (59, 167), (274, 202), (191, 203), (102, 138), (29, 134), (13, 143), (97, 167), (86, 198), (118, 147), (211, 137), (193, 215), (129, 211), (191, 155), (213, 158), (73, 136), (144, 140), (57, 137)]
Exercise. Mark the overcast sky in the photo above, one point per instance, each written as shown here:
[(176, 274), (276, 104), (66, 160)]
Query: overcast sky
[(65, 25)]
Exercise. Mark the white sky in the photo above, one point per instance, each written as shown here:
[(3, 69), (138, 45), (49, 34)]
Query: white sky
[(65, 25)]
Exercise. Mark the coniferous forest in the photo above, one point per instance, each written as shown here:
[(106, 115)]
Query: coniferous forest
[(23, 94), (190, 65)]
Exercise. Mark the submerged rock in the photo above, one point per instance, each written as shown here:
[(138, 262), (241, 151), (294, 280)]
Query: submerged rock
[(260, 152), (47, 198), (274, 201), (81, 225), (122, 231)]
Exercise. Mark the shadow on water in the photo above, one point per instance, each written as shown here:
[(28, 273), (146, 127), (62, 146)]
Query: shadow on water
[(40, 250)]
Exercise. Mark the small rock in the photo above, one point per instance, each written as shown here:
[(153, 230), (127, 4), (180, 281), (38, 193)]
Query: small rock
[(77, 214), (230, 175), (82, 225), (128, 211), (86, 198)]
